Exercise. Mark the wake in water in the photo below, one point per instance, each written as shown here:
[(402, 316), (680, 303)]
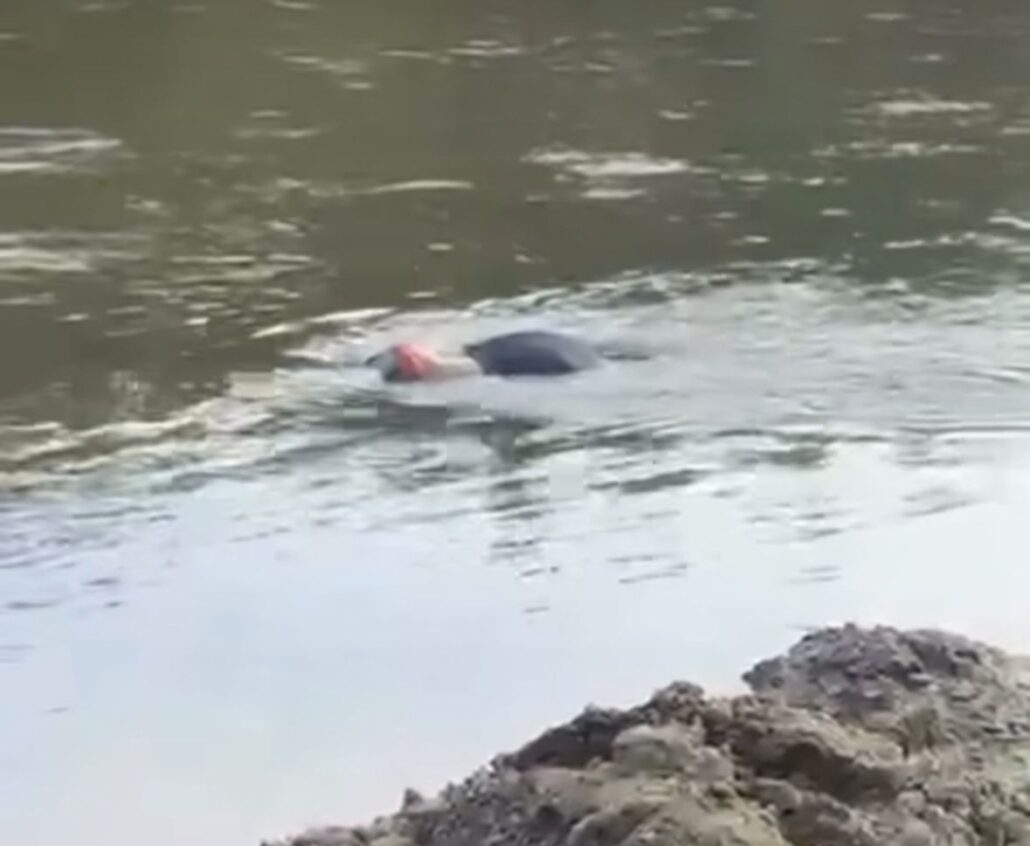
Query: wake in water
[(702, 361)]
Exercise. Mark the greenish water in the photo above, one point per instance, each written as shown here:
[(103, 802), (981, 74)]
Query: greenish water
[(244, 588)]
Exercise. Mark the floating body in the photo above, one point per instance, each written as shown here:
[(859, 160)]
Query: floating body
[(527, 353)]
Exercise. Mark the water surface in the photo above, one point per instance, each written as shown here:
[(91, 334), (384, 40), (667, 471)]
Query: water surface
[(245, 588)]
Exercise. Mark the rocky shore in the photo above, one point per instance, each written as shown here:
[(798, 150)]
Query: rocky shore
[(855, 737)]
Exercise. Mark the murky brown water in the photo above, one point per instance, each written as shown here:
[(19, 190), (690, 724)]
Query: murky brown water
[(243, 588)]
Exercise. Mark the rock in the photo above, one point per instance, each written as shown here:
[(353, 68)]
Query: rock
[(912, 801), (929, 687), (722, 790), (609, 826), (390, 840), (672, 747), (641, 748), (815, 751), (329, 836), (855, 737), (689, 821), (916, 833), (781, 795), (575, 744), (412, 799)]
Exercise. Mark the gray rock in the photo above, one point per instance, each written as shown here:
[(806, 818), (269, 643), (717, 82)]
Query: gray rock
[(855, 737), (916, 833), (329, 836), (671, 747)]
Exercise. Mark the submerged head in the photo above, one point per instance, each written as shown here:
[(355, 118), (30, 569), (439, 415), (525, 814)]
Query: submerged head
[(411, 362)]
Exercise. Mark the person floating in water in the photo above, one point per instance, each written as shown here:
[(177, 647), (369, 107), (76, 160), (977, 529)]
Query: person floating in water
[(528, 353)]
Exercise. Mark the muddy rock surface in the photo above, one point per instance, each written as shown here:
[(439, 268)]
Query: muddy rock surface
[(855, 737)]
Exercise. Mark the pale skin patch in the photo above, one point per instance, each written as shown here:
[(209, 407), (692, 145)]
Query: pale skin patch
[(453, 367)]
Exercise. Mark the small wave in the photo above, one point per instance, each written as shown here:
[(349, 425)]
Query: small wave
[(607, 165), (671, 571), (884, 149), (62, 252), (485, 49), (603, 193), (338, 67), (680, 31), (419, 185), (29, 455), (272, 133), (208, 269), (739, 62), (36, 150), (886, 17), (948, 239), (1011, 221), (350, 321), (610, 175), (927, 106), (675, 114), (419, 55), (32, 604), (25, 258), (727, 13), (936, 500), (349, 73)]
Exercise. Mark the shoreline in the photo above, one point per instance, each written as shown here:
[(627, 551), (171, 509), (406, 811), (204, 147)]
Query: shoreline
[(853, 737)]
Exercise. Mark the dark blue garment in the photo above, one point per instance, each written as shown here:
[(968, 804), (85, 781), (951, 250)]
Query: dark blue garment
[(532, 353)]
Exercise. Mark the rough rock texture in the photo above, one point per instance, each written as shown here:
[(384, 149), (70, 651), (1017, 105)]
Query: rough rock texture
[(855, 737)]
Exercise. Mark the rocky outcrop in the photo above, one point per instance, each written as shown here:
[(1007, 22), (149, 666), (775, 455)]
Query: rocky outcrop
[(855, 737)]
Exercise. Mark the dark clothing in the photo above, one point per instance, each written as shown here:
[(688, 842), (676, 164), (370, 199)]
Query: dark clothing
[(532, 353)]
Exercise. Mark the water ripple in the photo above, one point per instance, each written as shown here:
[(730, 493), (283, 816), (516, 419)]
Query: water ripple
[(38, 150)]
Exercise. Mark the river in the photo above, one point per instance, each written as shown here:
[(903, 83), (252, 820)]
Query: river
[(245, 588)]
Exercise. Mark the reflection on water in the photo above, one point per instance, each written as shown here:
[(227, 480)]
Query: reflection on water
[(235, 563)]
